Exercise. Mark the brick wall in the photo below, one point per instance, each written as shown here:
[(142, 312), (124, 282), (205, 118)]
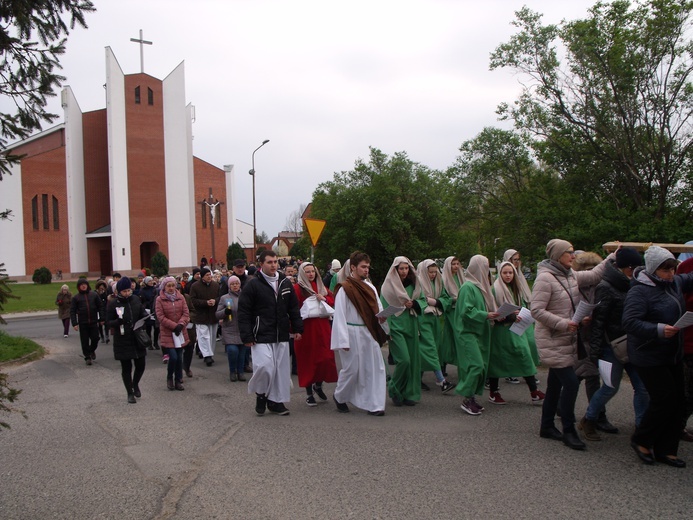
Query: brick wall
[(206, 177), (97, 205), (43, 173), (145, 155)]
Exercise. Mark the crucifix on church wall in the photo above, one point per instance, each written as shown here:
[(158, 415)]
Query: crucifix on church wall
[(210, 206)]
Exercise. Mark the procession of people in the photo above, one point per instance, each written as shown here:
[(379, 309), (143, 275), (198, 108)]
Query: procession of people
[(584, 319)]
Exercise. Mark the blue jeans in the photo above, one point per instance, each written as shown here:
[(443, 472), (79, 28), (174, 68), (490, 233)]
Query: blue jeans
[(236, 355), (561, 390), (175, 364), (641, 399)]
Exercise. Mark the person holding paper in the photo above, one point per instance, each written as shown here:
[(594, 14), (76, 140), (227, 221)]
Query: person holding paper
[(173, 315), (314, 359), (687, 434), (585, 369), (401, 288), (430, 324), (607, 327), (510, 354), (475, 311), (555, 296), (654, 304), (121, 315), (513, 256)]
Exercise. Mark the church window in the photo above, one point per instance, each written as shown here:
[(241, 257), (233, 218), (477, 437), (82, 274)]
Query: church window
[(137, 95), (35, 212), (44, 204), (56, 214), (150, 96)]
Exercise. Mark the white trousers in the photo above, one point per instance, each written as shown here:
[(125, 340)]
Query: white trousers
[(271, 371), (206, 338)]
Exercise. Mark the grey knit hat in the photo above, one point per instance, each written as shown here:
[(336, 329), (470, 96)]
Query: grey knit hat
[(556, 247), (655, 256)]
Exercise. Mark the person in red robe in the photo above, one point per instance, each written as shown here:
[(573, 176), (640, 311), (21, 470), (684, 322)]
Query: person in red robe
[(314, 358)]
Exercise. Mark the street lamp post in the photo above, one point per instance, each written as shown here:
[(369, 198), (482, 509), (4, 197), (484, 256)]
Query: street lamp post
[(252, 172)]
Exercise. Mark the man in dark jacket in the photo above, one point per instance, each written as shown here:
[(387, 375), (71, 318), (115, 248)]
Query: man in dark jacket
[(204, 296), (86, 311), (267, 312)]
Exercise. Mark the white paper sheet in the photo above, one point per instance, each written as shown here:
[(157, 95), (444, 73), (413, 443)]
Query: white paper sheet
[(605, 368), (519, 327), (390, 311), (685, 321), (177, 340), (583, 310), (506, 310)]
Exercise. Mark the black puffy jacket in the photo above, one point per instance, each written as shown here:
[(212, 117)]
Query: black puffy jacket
[(610, 296), (651, 304), (86, 308), (266, 317), (125, 345)]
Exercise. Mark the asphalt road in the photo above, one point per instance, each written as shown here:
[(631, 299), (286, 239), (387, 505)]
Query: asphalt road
[(85, 453)]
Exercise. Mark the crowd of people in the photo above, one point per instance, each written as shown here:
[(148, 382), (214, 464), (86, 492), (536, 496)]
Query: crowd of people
[(585, 319)]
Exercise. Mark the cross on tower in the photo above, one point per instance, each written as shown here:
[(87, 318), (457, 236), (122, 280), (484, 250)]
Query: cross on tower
[(142, 43)]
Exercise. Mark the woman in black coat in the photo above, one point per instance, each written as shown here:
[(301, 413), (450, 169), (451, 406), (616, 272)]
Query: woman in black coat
[(653, 305), (122, 314)]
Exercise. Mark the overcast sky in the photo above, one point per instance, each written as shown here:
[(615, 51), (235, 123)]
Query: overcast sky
[(323, 80)]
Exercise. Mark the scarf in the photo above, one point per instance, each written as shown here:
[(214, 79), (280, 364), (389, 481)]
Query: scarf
[(503, 291), (273, 281), (477, 274), (344, 272), (393, 289), (162, 285), (525, 291), (452, 282), (306, 285), (430, 288), (363, 298)]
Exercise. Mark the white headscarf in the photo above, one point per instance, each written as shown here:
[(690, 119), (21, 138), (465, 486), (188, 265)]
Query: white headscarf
[(430, 289), (478, 274), (305, 283), (393, 290), (503, 292), (525, 291), (452, 282), (343, 272)]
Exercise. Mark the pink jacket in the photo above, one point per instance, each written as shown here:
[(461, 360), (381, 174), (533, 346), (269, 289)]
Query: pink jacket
[(171, 313)]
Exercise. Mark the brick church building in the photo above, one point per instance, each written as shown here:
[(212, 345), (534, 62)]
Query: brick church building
[(105, 190)]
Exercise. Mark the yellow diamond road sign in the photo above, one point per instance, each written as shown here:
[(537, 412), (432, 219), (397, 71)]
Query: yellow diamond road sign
[(314, 227)]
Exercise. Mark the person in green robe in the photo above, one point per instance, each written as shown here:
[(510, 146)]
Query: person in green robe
[(452, 278), (476, 310), (430, 321), (510, 354), (401, 289), (513, 256)]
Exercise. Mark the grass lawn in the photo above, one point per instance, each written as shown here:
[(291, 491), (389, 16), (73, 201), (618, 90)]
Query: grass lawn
[(36, 297), (15, 347)]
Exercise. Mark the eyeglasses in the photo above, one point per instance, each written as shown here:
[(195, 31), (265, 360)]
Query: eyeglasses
[(570, 252)]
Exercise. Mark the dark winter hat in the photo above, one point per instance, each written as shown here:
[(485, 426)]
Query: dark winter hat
[(655, 256), (628, 257), (251, 270), (205, 270), (83, 281), (195, 270), (123, 284), (239, 263)]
